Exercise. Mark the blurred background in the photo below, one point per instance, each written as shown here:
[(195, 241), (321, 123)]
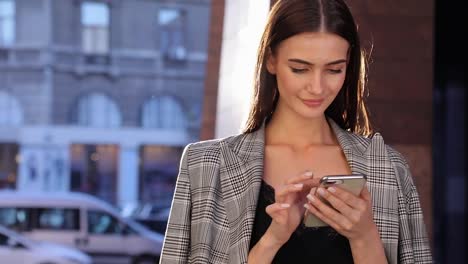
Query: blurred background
[(100, 97)]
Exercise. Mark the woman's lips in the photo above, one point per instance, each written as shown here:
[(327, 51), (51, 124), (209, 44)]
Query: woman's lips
[(313, 102)]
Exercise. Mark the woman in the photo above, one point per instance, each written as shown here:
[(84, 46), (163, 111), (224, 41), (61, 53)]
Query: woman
[(243, 198)]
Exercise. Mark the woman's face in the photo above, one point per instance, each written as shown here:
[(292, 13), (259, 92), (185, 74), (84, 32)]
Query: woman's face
[(310, 69)]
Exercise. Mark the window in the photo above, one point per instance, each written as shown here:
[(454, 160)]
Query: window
[(163, 113), (97, 110), (9, 158), (94, 170), (101, 223), (15, 218), (158, 173), (3, 240), (7, 22), (58, 219), (95, 31), (11, 113), (127, 230), (172, 44)]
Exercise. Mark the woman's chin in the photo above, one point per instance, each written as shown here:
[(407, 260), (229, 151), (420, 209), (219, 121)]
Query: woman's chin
[(309, 114)]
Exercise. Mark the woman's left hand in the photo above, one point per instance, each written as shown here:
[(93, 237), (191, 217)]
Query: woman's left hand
[(351, 215)]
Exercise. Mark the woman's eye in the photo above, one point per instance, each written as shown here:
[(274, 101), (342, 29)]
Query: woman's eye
[(335, 71), (298, 70)]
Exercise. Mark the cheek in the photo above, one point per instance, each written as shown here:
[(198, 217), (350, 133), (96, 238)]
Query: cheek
[(289, 82), (335, 83)]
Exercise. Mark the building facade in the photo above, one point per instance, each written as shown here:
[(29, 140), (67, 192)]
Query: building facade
[(100, 96)]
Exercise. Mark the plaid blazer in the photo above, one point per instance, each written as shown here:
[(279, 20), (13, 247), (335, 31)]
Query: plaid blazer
[(216, 194)]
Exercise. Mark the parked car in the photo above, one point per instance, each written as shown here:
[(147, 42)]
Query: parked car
[(163, 214), (82, 221), (146, 209), (130, 209), (17, 249), (152, 215)]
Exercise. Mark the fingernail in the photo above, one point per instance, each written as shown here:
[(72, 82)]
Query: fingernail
[(299, 185), (308, 174), (321, 191), (310, 197), (285, 205), (331, 189), (306, 206)]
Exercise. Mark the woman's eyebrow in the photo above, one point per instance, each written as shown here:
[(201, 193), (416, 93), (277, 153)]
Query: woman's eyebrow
[(336, 62), (310, 64)]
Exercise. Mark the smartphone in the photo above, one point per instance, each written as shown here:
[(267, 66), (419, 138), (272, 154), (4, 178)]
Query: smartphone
[(353, 183)]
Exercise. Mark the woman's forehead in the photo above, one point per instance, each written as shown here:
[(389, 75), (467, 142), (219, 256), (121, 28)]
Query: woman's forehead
[(314, 46)]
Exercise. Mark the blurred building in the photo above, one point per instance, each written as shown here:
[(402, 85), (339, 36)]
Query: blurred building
[(100, 96)]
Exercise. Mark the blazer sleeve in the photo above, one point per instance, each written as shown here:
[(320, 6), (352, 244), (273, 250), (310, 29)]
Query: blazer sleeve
[(413, 241), (176, 247)]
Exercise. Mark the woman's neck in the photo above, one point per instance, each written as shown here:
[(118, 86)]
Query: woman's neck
[(298, 132)]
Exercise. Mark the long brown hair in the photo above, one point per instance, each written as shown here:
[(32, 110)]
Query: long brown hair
[(290, 17)]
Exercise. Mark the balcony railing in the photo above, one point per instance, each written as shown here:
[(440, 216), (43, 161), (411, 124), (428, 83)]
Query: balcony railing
[(116, 63)]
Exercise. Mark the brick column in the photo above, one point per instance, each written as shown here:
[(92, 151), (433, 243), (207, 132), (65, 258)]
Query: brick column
[(212, 70)]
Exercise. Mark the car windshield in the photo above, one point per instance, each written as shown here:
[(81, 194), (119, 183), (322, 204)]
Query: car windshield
[(137, 226), (113, 211)]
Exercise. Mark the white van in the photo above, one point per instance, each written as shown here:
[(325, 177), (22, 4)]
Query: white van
[(15, 248), (82, 221)]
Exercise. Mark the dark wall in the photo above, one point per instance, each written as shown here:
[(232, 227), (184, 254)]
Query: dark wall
[(450, 144)]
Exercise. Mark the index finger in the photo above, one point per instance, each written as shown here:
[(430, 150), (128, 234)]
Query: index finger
[(306, 178), (348, 197)]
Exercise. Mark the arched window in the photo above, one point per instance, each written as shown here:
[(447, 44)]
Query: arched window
[(98, 110), (11, 113), (164, 113)]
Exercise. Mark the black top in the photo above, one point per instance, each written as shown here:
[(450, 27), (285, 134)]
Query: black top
[(306, 245)]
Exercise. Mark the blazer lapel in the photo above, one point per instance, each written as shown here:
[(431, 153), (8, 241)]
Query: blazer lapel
[(241, 171), (370, 157)]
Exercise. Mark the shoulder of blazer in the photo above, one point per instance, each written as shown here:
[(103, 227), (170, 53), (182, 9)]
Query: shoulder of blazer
[(216, 143), (397, 160), (402, 171), (396, 156), (199, 151)]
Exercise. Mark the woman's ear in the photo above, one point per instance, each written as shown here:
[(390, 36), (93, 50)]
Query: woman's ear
[(271, 62)]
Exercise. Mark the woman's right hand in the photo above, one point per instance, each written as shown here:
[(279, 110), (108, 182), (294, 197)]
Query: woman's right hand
[(286, 214), (287, 211)]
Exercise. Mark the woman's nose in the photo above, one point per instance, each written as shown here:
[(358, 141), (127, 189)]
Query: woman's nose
[(314, 84)]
